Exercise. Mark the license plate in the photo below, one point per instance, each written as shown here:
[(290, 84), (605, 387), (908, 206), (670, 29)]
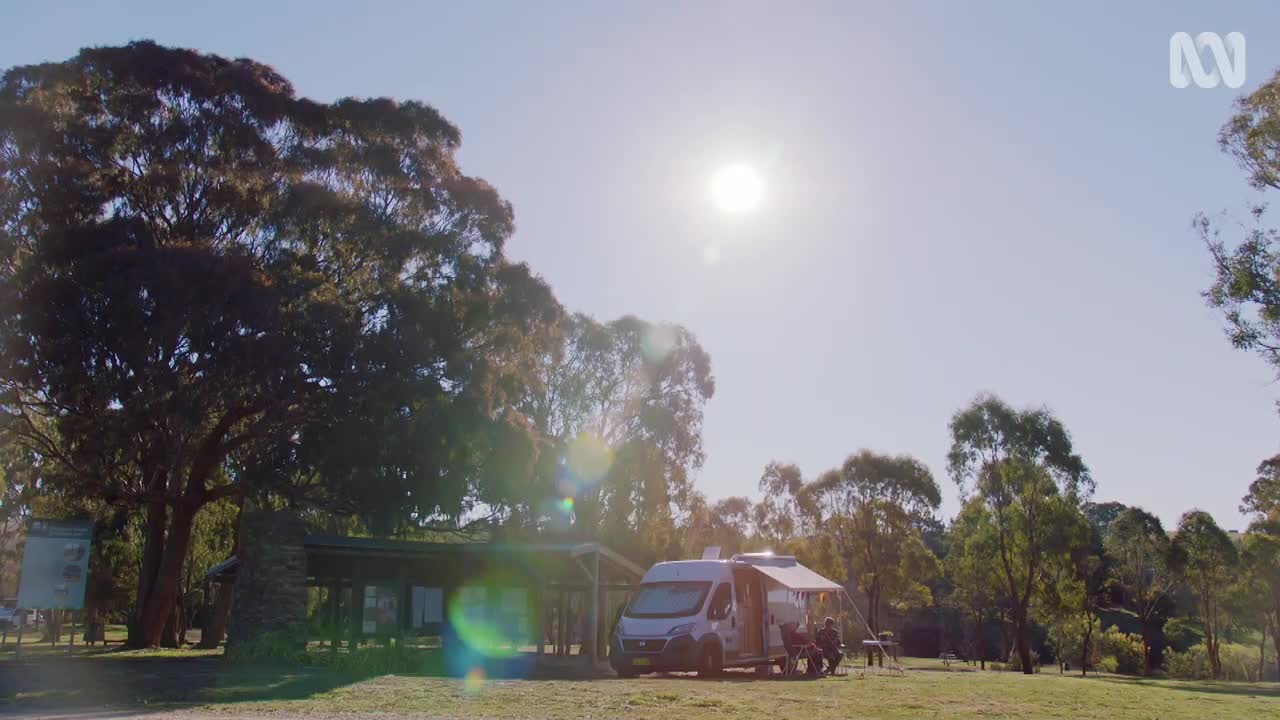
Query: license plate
[(640, 661)]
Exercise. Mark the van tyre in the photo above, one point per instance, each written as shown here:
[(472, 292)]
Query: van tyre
[(711, 661)]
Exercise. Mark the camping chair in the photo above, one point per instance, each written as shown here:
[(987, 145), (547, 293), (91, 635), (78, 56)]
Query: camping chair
[(799, 648)]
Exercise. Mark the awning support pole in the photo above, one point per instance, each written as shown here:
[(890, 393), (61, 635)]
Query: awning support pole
[(593, 627), (897, 666)]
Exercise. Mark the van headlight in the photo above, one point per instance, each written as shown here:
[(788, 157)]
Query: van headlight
[(681, 629)]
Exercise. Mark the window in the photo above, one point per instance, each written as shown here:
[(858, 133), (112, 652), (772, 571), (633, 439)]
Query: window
[(381, 610), (428, 606), (668, 599), (474, 601), (721, 603)]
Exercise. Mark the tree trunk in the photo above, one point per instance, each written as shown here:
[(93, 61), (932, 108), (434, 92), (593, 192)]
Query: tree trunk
[(1024, 643), (1271, 625), (1211, 640), (1004, 636), (1146, 647), (53, 628), (158, 609), (152, 549), (1262, 657), (1084, 651), (982, 642), (1275, 639), (169, 636), (181, 618), (1211, 645), (873, 614)]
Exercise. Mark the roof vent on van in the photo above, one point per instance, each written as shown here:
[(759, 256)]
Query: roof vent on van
[(711, 552), (765, 558)]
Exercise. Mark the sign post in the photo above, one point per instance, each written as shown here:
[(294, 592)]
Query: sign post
[(55, 566)]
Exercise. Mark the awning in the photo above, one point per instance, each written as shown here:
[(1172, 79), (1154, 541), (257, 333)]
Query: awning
[(798, 577)]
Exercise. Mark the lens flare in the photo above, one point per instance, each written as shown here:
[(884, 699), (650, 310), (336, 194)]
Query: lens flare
[(657, 343), (567, 505), (589, 459), (490, 618), (473, 681)]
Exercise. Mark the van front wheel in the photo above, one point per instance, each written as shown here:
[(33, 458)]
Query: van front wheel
[(711, 663)]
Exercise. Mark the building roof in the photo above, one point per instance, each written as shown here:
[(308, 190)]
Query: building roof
[(337, 545)]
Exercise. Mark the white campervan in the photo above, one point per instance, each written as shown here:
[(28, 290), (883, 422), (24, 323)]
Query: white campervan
[(706, 615)]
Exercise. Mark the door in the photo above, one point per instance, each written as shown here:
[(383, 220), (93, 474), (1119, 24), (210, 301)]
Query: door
[(722, 620), (748, 593)]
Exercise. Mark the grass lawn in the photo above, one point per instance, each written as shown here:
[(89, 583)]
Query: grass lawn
[(206, 686)]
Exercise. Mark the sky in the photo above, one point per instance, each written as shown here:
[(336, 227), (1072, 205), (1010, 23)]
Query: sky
[(957, 198)]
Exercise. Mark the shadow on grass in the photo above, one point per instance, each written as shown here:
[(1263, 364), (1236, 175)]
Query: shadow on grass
[(141, 682), (164, 679), (159, 680), (1217, 687)]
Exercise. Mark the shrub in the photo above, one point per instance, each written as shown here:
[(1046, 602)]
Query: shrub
[(1239, 662), (1066, 636), (1108, 664), (1182, 633), (1015, 664), (1125, 649), (280, 646), (384, 660), (1191, 664)]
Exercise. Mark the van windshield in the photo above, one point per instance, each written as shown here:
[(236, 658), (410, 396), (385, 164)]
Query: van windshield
[(668, 599)]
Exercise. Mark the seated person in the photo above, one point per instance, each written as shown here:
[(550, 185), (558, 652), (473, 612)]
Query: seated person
[(829, 644)]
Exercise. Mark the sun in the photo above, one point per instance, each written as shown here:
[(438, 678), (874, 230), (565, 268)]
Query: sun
[(737, 188)]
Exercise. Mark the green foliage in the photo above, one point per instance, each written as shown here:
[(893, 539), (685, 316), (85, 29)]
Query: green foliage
[(726, 524), (872, 507), (1256, 599), (1238, 662), (1015, 663), (621, 405), (376, 661), (302, 291), (1108, 664), (288, 649), (1073, 636), (988, 432), (278, 646), (1126, 649), (1030, 481), (1144, 567), (1263, 499), (1207, 561), (1182, 633), (970, 565), (1252, 135), (1246, 286), (777, 514), (1102, 514)]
